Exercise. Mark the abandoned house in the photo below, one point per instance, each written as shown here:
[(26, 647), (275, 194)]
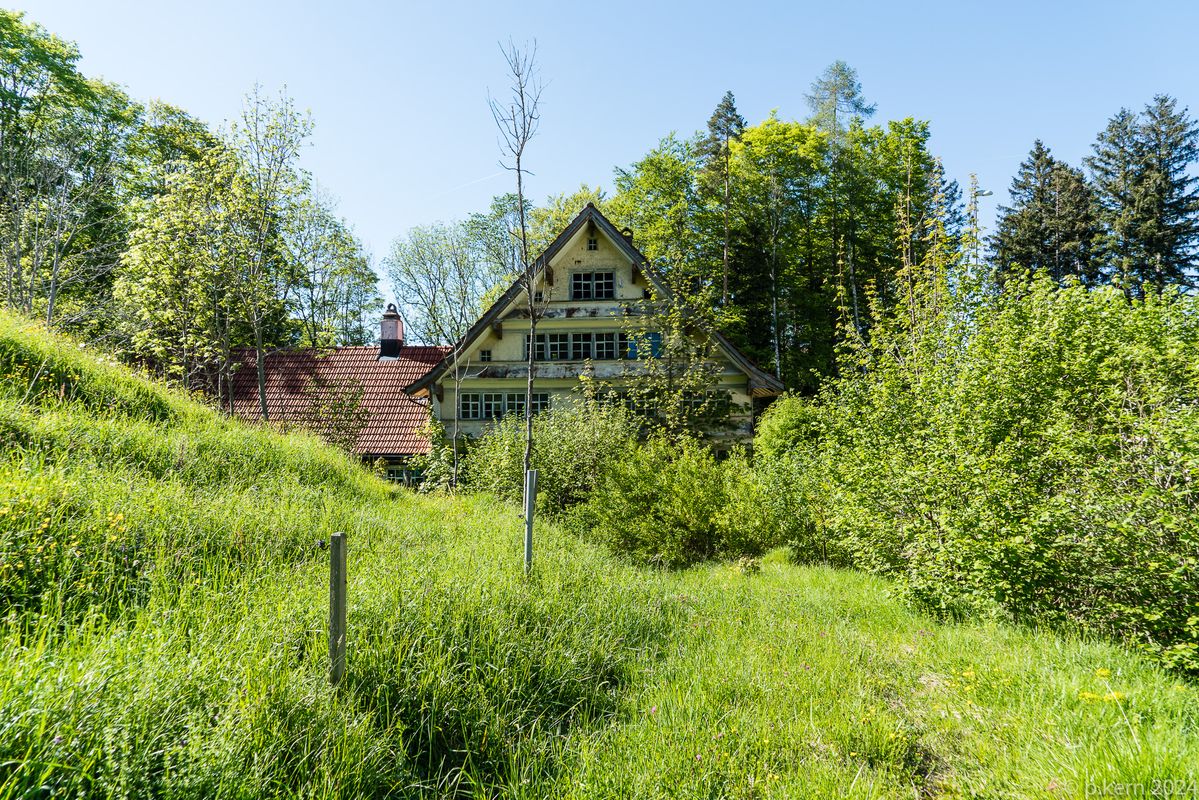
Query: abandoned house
[(591, 284)]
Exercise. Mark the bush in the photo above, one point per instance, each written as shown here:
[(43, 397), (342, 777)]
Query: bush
[(673, 504), (573, 446), (1041, 463)]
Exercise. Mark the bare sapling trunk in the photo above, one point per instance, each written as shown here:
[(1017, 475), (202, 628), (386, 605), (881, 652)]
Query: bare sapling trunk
[(517, 121)]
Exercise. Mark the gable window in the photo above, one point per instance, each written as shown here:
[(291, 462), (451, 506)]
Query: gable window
[(592, 244), (592, 286), (538, 297), (484, 355)]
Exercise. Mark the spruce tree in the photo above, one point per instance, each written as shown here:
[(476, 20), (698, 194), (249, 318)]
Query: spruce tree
[(724, 126), (1149, 201), (1170, 141), (1051, 225)]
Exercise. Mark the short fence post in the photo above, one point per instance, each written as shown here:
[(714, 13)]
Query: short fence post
[(530, 505), (337, 607)]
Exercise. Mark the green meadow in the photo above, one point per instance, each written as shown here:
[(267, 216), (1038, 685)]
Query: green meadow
[(163, 601)]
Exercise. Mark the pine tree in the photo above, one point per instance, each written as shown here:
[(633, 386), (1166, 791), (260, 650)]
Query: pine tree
[(724, 127), (1051, 225), (1149, 201), (836, 103), (1170, 141)]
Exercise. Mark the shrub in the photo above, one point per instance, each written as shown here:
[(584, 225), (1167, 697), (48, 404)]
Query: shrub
[(671, 503), (573, 446), (1042, 462)]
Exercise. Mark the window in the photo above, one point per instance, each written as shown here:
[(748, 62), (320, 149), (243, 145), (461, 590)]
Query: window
[(468, 406), (605, 347), (484, 355), (559, 346), (592, 244), (538, 297), (598, 346), (580, 346), (540, 355), (491, 405), (649, 343), (592, 286), (401, 474)]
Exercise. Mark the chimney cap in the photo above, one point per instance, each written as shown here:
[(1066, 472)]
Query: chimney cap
[(391, 312)]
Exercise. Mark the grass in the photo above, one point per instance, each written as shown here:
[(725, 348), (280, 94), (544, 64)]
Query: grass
[(163, 604)]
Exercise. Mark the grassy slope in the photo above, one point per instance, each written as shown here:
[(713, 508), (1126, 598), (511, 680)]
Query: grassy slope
[(163, 634)]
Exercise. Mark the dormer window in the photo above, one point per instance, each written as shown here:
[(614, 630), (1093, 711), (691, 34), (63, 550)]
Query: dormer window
[(592, 243), (592, 286)]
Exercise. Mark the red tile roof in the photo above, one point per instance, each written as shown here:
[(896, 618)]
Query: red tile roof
[(396, 419)]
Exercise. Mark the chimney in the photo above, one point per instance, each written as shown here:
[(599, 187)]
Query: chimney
[(627, 233), (391, 333)]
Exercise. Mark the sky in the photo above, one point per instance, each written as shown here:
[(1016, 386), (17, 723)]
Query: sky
[(399, 91)]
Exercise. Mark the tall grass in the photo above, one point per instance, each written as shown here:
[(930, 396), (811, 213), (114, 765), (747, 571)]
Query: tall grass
[(163, 635)]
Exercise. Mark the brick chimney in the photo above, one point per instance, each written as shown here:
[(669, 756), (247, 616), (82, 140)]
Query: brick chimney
[(391, 333)]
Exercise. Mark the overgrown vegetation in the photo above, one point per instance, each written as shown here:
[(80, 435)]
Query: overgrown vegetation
[(1043, 464), (163, 635), (663, 501), (164, 599)]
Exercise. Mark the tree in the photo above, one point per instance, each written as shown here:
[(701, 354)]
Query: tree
[(517, 120), (777, 165), (658, 198), (1051, 225), (62, 144), (437, 273), (547, 221), (1149, 200), (836, 103), (334, 286), (334, 411), (178, 307), (267, 140), (724, 127)]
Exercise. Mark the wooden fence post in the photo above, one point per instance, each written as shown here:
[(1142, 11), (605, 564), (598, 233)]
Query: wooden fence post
[(530, 506), (337, 607)]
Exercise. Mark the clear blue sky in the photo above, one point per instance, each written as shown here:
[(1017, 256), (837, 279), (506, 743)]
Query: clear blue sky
[(399, 90)]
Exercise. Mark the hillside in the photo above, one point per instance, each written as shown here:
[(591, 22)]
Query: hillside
[(163, 601)]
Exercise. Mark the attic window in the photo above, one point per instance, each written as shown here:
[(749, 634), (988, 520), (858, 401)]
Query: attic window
[(484, 355), (538, 297), (592, 243), (592, 285)]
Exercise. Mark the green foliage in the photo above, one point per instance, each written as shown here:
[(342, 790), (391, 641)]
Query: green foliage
[(164, 603), (671, 503), (1052, 225), (1044, 466), (177, 649), (1142, 168), (572, 447)]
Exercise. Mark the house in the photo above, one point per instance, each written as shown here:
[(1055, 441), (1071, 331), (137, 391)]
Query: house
[(591, 285), (392, 423)]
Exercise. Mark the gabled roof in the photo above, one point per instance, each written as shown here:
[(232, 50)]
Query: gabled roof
[(396, 419), (760, 381)]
